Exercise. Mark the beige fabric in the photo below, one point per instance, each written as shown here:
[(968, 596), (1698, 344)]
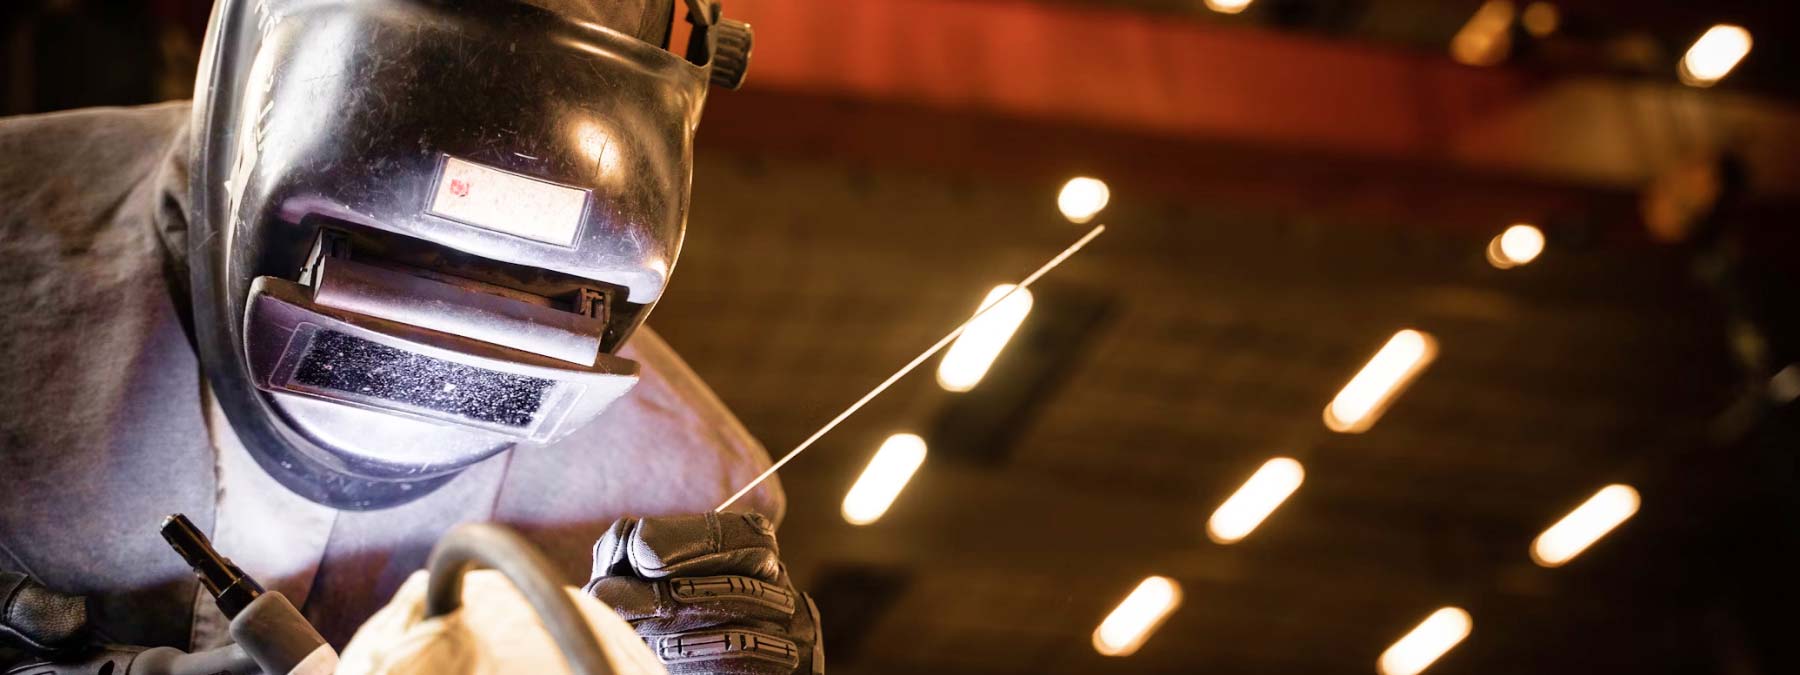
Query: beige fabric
[(496, 631)]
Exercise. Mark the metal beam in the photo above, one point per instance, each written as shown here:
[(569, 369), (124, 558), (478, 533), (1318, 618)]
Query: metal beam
[(1208, 112)]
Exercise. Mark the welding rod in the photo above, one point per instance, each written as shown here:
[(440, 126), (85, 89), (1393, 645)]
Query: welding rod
[(889, 382)]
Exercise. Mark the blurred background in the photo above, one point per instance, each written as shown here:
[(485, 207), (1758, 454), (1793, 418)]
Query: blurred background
[(1447, 336)]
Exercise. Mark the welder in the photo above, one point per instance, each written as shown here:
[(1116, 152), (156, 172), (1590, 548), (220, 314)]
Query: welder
[(387, 273)]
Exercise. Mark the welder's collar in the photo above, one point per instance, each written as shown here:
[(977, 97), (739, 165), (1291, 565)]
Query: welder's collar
[(168, 185)]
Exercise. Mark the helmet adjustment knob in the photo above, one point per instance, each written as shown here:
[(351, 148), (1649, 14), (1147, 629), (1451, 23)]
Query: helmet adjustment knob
[(731, 55)]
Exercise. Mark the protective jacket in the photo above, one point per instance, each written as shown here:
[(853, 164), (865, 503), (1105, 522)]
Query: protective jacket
[(103, 431)]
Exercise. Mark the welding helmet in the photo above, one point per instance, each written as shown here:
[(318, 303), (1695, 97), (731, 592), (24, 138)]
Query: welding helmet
[(421, 229)]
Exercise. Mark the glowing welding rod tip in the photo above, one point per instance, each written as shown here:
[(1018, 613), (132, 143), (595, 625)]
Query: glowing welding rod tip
[(1138, 616), (1426, 642)]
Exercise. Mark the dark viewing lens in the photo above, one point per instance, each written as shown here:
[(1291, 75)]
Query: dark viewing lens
[(338, 362)]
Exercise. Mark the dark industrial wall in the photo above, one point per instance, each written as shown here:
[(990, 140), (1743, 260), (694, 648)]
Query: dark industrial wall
[(1204, 333), (1223, 336)]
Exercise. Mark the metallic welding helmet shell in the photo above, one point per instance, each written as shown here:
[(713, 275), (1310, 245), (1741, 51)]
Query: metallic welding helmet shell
[(420, 229)]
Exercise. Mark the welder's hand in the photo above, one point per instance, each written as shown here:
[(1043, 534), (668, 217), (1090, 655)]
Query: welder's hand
[(709, 593)]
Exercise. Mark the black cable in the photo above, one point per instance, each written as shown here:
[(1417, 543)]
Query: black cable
[(501, 549)]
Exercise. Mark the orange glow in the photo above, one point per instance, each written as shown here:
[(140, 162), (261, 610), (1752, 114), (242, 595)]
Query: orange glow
[(1227, 6), (1714, 55), (1425, 643), (1485, 39), (1251, 504), (1518, 245), (881, 482), (1137, 617), (1367, 396), (1609, 507)]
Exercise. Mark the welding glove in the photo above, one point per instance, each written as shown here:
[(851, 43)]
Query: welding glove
[(38, 620), (709, 594)]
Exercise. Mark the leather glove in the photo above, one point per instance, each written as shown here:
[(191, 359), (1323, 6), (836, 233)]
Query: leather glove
[(38, 620), (709, 594)]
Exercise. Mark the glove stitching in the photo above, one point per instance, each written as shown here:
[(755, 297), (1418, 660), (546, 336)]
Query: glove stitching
[(12, 599), (791, 659), (818, 635), (598, 557), (715, 532), (625, 552)]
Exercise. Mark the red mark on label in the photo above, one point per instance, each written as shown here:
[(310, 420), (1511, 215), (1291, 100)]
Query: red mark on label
[(459, 188)]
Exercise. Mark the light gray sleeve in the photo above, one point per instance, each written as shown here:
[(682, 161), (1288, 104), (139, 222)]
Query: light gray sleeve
[(672, 387), (670, 447)]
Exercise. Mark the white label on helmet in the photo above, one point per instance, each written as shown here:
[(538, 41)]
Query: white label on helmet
[(508, 202)]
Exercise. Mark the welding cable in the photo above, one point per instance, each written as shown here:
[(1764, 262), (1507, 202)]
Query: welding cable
[(498, 548)]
